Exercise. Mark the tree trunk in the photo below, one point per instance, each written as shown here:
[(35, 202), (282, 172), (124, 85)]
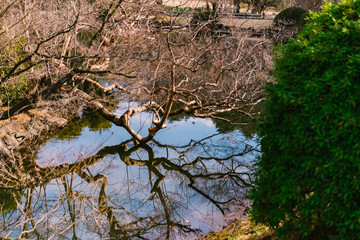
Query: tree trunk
[(236, 6)]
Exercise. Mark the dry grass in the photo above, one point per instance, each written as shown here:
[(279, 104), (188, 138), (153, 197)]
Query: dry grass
[(242, 230)]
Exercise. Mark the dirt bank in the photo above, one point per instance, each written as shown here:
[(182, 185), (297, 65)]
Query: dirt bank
[(37, 123)]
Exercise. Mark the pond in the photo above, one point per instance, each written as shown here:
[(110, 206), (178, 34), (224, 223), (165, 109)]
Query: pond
[(98, 184)]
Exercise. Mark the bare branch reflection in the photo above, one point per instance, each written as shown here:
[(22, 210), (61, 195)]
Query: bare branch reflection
[(84, 199)]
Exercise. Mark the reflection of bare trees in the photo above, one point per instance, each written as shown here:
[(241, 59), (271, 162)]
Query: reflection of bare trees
[(62, 201)]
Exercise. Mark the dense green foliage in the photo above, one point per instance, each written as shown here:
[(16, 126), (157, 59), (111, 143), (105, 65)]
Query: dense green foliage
[(291, 16), (308, 177)]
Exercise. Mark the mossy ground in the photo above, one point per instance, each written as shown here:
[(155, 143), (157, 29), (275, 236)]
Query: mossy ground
[(242, 230)]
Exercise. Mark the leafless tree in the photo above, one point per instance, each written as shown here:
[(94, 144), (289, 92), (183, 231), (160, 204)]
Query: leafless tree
[(167, 66), (284, 30)]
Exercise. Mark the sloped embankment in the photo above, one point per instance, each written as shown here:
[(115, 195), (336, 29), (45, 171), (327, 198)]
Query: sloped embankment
[(242, 229), (34, 124)]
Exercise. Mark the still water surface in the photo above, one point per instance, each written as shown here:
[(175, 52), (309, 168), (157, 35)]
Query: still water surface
[(191, 179)]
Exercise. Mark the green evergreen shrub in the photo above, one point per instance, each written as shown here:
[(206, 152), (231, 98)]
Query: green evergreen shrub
[(290, 16), (308, 178)]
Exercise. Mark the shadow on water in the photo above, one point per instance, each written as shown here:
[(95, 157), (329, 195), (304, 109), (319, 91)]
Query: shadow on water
[(85, 185)]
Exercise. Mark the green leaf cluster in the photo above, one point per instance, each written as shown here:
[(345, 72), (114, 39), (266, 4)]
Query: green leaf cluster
[(9, 56), (308, 177), (12, 92)]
